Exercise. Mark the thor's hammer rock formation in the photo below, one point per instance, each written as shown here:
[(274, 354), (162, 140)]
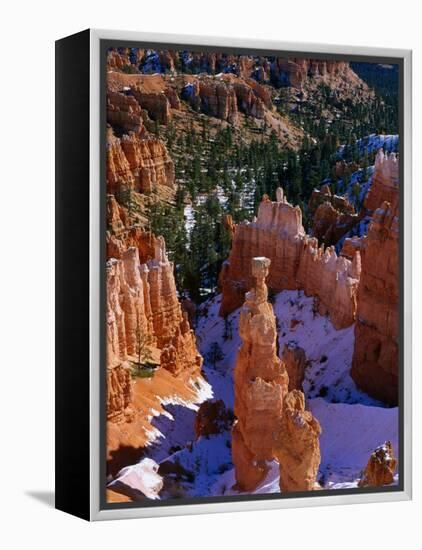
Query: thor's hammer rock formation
[(260, 384)]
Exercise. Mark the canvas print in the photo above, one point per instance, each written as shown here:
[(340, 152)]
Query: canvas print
[(252, 274)]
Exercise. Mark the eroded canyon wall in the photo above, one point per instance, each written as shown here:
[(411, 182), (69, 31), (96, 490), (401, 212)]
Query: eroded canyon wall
[(143, 311), (297, 262), (375, 357)]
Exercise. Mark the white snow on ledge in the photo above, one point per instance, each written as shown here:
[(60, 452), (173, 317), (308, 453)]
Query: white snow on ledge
[(203, 392), (142, 477)]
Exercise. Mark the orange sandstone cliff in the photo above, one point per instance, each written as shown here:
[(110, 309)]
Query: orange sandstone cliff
[(332, 216), (137, 163), (145, 320), (385, 182), (297, 262), (375, 357)]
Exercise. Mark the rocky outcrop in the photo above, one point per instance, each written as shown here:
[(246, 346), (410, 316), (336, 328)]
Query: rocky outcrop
[(280, 71), (140, 164), (117, 218), (156, 104), (332, 216), (117, 59), (351, 246), (145, 325), (228, 224), (294, 358), (118, 168), (173, 98), (227, 95), (260, 384), (212, 418), (385, 182), (381, 467), (144, 314), (125, 112), (297, 72), (297, 262), (129, 316), (375, 357), (297, 445), (120, 241), (271, 423), (260, 91), (119, 393), (213, 97), (248, 100)]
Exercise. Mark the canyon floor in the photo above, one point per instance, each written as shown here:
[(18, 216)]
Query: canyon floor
[(353, 424)]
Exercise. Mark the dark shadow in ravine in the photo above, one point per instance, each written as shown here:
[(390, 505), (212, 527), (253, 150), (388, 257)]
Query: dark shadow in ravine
[(125, 455)]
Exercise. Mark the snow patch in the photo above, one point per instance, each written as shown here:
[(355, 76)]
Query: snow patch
[(142, 477), (350, 434)]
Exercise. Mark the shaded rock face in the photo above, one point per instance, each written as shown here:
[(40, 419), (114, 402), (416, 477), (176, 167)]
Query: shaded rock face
[(249, 101), (297, 445), (212, 418), (119, 393), (385, 182), (381, 467), (224, 97), (143, 311), (351, 246), (136, 237), (125, 112), (375, 357), (294, 358), (139, 164), (116, 215), (156, 104), (297, 262), (213, 97), (297, 71), (332, 216), (260, 384)]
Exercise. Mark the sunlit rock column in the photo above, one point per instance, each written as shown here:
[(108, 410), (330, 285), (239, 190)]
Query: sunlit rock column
[(260, 384), (297, 445)]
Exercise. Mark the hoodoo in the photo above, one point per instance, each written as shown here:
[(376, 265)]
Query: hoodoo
[(260, 384), (271, 423), (381, 467)]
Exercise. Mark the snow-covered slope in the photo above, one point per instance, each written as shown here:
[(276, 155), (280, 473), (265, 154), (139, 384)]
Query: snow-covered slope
[(353, 424), (328, 351), (349, 435), (373, 142)]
